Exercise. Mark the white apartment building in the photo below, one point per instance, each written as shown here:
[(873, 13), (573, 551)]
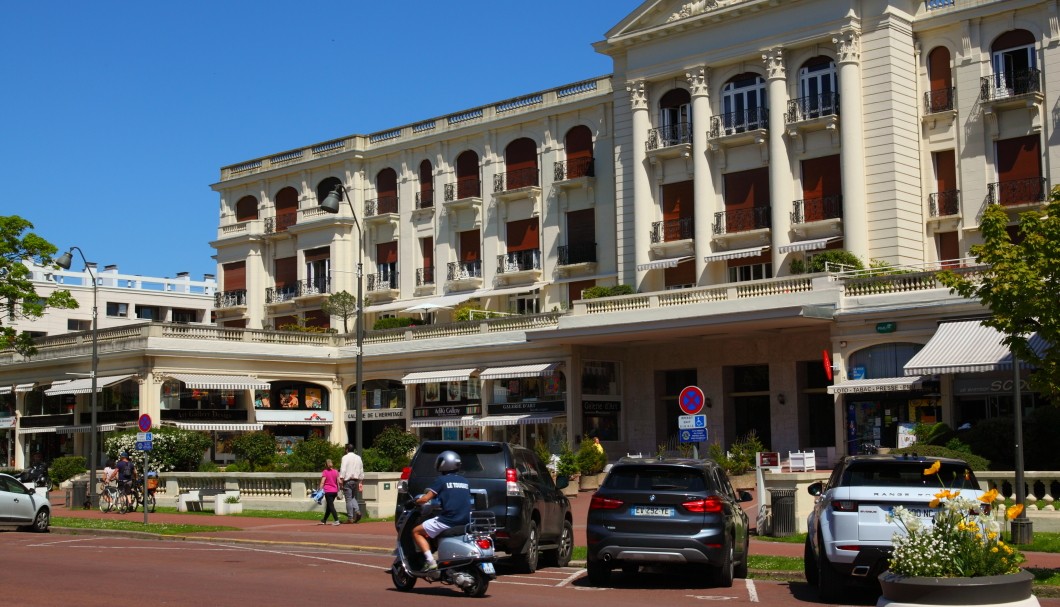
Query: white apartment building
[(733, 139)]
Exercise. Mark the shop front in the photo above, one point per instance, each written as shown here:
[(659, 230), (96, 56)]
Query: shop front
[(446, 404), (527, 404), (601, 405), (383, 406), (7, 427), (217, 404)]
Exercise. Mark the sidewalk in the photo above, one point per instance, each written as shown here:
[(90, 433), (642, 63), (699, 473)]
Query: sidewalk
[(379, 536)]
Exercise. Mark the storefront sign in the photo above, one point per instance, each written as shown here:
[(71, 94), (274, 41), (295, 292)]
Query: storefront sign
[(189, 415), (454, 411), (376, 414), (555, 406), (987, 385), (7, 422), (294, 416), (599, 406), (108, 417), (42, 421), (886, 327)]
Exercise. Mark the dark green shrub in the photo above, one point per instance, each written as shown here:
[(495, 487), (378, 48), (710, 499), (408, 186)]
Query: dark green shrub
[(65, 468), (375, 460), (255, 450), (621, 290), (740, 457), (212, 467), (568, 464), (797, 266), (591, 457), (835, 256), (396, 323), (309, 455), (392, 450), (598, 291), (974, 461)]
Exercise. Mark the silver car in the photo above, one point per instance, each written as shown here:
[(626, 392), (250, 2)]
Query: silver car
[(23, 507)]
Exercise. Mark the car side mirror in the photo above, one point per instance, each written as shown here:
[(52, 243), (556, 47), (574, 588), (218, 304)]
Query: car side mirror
[(562, 482), (745, 496), (815, 489)]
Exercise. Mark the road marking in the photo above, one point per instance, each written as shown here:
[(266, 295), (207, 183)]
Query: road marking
[(87, 539), (752, 592), (307, 556), (710, 597), (570, 578)]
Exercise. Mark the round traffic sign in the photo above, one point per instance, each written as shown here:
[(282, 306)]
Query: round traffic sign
[(144, 423), (691, 400)]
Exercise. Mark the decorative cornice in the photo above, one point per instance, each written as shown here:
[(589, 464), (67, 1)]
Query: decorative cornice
[(698, 81), (848, 45), (774, 60), (691, 9), (638, 94)]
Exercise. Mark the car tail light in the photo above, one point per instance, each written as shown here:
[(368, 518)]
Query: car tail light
[(709, 505), (853, 548), (406, 472), (485, 543), (844, 505), (511, 475), (604, 503)]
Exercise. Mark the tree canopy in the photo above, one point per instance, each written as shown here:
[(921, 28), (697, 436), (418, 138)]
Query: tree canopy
[(1020, 284), (18, 298), (341, 304)]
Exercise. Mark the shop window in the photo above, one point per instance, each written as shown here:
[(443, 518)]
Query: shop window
[(884, 360), (600, 378), (292, 395), (530, 389), (526, 303), (750, 271)]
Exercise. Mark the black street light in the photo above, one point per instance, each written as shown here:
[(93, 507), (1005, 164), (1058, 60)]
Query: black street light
[(331, 204), (64, 262)]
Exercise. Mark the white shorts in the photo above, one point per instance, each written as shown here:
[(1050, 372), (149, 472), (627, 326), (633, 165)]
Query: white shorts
[(433, 527)]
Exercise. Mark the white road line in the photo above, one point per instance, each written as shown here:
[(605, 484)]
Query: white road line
[(570, 578), (86, 539), (307, 556), (752, 592)]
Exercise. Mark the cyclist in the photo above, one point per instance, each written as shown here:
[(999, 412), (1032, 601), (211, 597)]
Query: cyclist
[(105, 495), (126, 475)]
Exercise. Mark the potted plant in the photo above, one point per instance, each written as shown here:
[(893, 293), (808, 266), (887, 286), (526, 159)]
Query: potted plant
[(230, 505), (567, 467), (961, 555), (590, 460)]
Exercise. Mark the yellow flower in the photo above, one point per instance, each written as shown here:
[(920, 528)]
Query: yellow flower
[(1014, 511), (994, 549), (934, 503), (989, 497), (933, 469)]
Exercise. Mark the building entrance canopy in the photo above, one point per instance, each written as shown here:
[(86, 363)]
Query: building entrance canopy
[(966, 346)]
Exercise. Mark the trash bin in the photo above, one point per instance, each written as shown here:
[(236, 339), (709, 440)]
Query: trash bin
[(783, 508), (78, 494)]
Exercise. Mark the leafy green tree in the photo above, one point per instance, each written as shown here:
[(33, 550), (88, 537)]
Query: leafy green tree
[(310, 455), (65, 468), (255, 449), (833, 257), (341, 304), (391, 450), (1020, 284), (18, 298), (172, 449)]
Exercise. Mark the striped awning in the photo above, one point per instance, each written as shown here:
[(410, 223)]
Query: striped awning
[(966, 346), (219, 382), (879, 384), (736, 254), (662, 264), (296, 422), (84, 385), (519, 420), (218, 427), (445, 422), (808, 245), (536, 370), (429, 377), (24, 388), (40, 430), (5, 390), (85, 428)]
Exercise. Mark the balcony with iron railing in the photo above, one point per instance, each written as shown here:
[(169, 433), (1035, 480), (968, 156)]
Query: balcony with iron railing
[(424, 276), (812, 107), (573, 169), (275, 295), (519, 261), (425, 199), (944, 204), (998, 89), (465, 192), (314, 286), (741, 220), (382, 281), (669, 141), (517, 183), (817, 209), (236, 298), (1018, 192), (739, 124), (463, 270), (280, 223), (580, 252), (939, 100), (671, 230), (384, 205)]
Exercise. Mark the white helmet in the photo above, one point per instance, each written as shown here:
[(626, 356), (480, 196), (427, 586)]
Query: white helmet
[(448, 461)]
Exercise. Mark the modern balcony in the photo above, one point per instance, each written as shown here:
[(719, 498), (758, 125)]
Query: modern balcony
[(1018, 192), (236, 298), (517, 183), (741, 220), (671, 141), (314, 287), (573, 172), (466, 192), (276, 295)]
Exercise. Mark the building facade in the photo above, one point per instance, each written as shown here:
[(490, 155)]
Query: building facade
[(734, 141)]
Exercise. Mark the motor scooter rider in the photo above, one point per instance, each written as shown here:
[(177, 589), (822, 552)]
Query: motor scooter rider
[(454, 497)]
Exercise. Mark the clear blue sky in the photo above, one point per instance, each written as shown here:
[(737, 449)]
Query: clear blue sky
[(115, 117)]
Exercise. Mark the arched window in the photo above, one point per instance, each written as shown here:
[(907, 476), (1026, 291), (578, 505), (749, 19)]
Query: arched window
[(425, 195), (327, 186), (247, 208), (743, 104), (520, 163), (286, 208), (468, 184), (817, 88), (579, 147), (940, 80), (675, 117), (1015, 64), (386, 191)]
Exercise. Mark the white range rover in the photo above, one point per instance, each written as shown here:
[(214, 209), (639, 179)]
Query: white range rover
[(848, 537)]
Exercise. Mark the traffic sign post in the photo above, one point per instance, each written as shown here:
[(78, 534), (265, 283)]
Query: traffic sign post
[(692, 425), (691, 400), (144, 423)]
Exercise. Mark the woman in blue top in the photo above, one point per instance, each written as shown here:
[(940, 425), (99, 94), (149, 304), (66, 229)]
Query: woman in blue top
[(454, 497)]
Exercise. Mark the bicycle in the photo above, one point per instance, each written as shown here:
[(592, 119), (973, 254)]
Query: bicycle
[(126, 500), (108, 497)]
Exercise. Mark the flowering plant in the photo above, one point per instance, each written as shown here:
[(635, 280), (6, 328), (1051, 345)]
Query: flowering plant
[(961, 541)]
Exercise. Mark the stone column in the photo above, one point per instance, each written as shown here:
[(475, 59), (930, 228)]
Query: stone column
[(703, 186), (781, 182), (643, 201), (852, 144)]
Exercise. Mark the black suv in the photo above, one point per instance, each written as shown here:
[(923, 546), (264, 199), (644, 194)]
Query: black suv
[(533, 515), (667, 511)]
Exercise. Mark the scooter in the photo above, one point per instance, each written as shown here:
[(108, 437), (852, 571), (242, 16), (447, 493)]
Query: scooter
[(466, 558)]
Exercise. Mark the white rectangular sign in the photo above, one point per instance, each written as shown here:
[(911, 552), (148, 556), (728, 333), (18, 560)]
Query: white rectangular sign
[(144, 436), (690, 422)]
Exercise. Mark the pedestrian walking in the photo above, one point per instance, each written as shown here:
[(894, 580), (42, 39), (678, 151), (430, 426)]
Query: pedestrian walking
[(329, 484), (351, 472)]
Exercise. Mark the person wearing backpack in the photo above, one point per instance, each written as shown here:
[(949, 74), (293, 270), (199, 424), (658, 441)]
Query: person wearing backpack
[(126, 475)]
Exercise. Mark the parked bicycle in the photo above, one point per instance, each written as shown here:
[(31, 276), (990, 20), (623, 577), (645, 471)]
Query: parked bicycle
[(108, 497)]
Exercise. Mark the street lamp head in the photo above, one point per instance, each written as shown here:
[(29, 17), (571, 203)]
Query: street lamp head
[(333, 200), (65, 260)]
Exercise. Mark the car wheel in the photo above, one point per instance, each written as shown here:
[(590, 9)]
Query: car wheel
[(725, 571), (809, 564), (741, 567), (560, 557), (599, 573), (829, 582), (41, 521), (527, 560)]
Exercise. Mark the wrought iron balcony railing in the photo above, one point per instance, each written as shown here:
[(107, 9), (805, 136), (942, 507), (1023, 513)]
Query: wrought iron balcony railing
[(280, 223), (813, 106), (741, 220), (460, 270), (230, 299), (280, 294), (943, 204), (817, 209), (666, 136), (580, 252), (573, 168), (519, 261), (1018, 191), (671, 230), (380, 206), (739, 122), (938, 100), (382, 281), (424, 276), (1010, 84), (515, 179), (425, 199), (314, 286), (465, 187)]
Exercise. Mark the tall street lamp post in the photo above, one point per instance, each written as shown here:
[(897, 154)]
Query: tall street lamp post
[(64, 262), (331, 204)]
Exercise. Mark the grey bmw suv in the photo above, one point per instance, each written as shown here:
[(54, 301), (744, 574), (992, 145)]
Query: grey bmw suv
[(667, 511)]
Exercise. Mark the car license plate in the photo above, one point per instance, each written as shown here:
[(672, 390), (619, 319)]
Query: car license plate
[(487, 568), (919, 512), (653, 511)]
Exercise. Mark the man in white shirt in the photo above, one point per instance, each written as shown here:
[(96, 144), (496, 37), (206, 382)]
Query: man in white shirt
[(351, 473)]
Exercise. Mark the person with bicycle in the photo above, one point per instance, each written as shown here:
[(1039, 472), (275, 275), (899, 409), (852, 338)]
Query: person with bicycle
[(126, 476)]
